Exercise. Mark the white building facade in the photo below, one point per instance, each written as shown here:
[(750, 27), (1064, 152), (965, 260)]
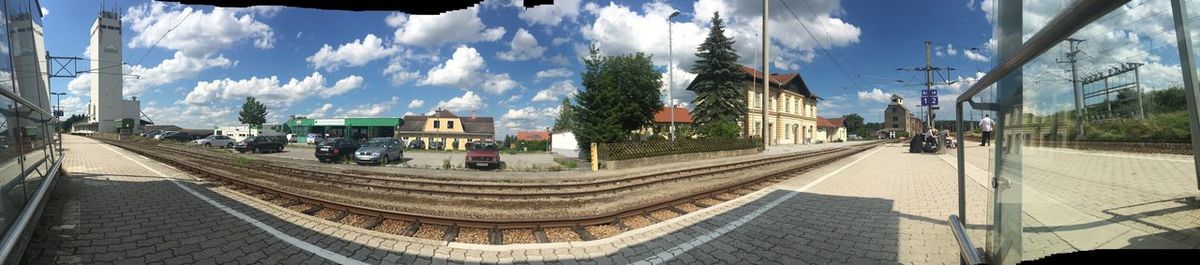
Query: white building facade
[(109, 106), (239, 132)]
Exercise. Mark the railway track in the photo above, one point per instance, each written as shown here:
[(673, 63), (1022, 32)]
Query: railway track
[(413, 184), (530, 229)]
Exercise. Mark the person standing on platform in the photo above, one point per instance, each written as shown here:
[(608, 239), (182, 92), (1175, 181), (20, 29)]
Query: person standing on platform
[(986, 125)]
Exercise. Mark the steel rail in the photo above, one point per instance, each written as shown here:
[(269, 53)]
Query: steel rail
[(512, 191)]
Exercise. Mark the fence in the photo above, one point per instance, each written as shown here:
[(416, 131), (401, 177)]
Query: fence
[(652, 148)]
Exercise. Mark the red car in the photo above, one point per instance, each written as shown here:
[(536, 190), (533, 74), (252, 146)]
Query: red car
[(483, 154)]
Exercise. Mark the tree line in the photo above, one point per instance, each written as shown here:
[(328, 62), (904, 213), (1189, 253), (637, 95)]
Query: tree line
[(621, 94)]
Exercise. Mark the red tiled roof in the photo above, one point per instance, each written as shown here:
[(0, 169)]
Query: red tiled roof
[(681, 115), (533, 136), (822, 122), (777, 79), (839, 122)]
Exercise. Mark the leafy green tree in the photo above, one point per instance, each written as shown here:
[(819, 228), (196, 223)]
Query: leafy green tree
[(853, 123), (1165, 100), (620, 94), (253, 112), (65, 125), (721, 93), (565, 120)]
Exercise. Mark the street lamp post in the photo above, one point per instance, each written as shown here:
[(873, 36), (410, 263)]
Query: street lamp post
[(671, 70), (58, 102)]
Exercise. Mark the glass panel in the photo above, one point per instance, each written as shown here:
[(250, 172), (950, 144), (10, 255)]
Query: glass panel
[(11, 196), (1094, 147)]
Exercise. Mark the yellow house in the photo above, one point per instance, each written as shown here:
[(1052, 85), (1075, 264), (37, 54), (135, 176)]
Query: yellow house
[(792, 118), (451, 131)]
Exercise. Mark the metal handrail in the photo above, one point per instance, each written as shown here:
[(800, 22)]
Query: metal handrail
[(1075, 16), (967, 250)]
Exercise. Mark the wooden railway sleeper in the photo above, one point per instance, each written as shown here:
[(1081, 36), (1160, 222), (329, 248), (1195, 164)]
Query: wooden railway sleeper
[(314, 210), (375, 221), (412, 228), (451, 233), (620, 225), (341, 215), (540, 234), (676, 210), (495, 236), (583, 233)]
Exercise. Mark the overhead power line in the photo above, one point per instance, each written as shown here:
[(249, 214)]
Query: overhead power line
[(819, 44)]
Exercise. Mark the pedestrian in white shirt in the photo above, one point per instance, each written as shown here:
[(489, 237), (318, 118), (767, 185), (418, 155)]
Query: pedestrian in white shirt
[(986, 124)]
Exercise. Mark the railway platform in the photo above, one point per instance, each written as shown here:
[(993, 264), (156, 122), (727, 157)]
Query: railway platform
[(118, 207)]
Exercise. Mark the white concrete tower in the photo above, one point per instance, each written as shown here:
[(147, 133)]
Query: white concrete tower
[(107, 88)]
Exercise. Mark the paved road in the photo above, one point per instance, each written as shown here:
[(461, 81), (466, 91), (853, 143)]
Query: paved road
[(883, 206)]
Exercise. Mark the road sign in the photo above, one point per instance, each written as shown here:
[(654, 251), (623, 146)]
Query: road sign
[(929, 93), (929, 101)]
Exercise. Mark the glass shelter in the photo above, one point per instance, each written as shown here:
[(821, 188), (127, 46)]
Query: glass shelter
[(1095, 110)]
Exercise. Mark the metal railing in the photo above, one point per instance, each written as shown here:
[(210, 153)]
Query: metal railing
[(1075, 16), (970, 255)]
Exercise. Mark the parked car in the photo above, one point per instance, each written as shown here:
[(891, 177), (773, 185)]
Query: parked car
[(380, 150), (164, 133), (150, 133), (178, 137), (437, 146), (314, 138), (216, 140), (291, 138), (260, 144), (335, 149), (483, 154), (416, 144)]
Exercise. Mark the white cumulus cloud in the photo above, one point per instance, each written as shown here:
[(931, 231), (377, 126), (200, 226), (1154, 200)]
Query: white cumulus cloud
[(523, 47), (875, 95), (556, 91), (468, 102), (356, 53), (459, 26)]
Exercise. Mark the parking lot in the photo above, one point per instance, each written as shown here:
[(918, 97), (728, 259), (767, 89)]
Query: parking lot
[(438, 160)]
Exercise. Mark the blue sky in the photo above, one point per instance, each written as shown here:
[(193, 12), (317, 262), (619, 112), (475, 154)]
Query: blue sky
[(497, 59)]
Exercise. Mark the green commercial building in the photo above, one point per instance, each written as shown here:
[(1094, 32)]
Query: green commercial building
[(344, 127)]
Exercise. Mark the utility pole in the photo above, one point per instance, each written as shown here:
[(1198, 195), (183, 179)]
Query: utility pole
[(766, 78), (671, 71), (928, 85), (929, 91), (1072, 58)]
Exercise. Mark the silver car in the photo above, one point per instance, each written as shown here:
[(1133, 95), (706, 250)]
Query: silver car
[(216, 140), (380, 151)]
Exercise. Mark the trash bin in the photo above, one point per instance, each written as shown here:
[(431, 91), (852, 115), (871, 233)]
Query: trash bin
[(916, 144)]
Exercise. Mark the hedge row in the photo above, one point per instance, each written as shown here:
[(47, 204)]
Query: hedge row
[(652, 148)]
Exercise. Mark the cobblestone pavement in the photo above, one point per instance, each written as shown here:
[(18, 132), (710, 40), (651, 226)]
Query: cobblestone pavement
[(881, 206), (1082, 200)]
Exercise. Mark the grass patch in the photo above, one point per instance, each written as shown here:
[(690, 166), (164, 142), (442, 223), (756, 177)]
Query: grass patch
[(567, 163), (242, 160)]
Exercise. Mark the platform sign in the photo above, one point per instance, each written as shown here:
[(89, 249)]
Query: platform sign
[(929, 93), (929, 101)]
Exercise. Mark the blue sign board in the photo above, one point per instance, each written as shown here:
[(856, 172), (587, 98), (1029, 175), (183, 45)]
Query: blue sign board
[(929, 101), (929, 93)]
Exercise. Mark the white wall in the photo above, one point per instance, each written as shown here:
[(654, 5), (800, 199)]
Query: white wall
[(241, 131), (564, 143)]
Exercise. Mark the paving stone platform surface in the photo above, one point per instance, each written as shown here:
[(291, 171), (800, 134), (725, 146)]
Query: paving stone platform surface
[(883, 206)]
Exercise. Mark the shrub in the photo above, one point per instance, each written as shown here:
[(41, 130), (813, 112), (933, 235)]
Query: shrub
[(720, 129), (641, 149)]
